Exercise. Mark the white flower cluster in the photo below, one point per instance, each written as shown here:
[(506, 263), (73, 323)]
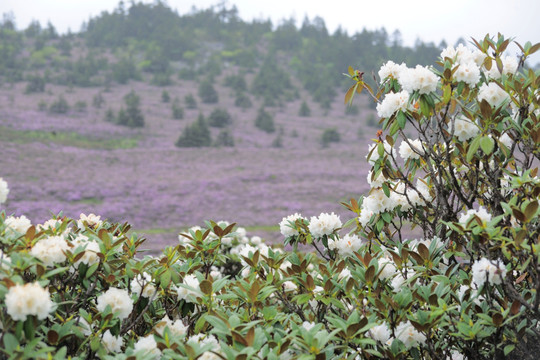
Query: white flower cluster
[(210, 342), (142, 285), (4, 191), (391, 70), (463, 55), (469, 73), (465, 129), (407, 152), (185, 293), (392, 103), (377, 202), (509, 67), (91, 220), (285, 226), (176, 328), (373, 154), (420, 79), (408, 335), (493, 94), (119, 301), (325, 224), (91, 250), (346, 245), (380, 333), (112, 343), (492, 271), (147, 347), (50, 250), (28, 299), (17, 225), (481, 213)]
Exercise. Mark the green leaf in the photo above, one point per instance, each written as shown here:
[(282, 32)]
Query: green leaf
[(473, 148), (10, 343), (486, 143), (508, 349)]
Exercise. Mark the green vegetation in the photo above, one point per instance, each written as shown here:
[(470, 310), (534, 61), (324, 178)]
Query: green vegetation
[(65, 139), (177, 110), (224, 139), (330, 136), (59, 106), (132, 116), (191, 103), (165, 97), (265, 121), (195, 135), (304, 111), (35, 84), (219, 118), (207, 92)]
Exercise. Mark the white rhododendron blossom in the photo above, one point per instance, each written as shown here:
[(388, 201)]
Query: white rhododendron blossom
[(185, 293), (142, 285), (4, 191), (408, 335), (377, 182), (91, 250), (464, 129), (420, 79), (5, 261), (380, 333), (325, 224), (147, 346), (493, 94), (406, 152), (18, 225), (119, 301), (463, 55), (176, 328), (377, 202), (50, 250), (506, 140), (492, 271), (346, 245), (289, 286), (469, 73), (509, 67), (387, 268), (391, 70), (307, 325), (373, 153), (481, 213), (27, 300), (285, 228), (85, 327), (112, 343), (91, 220), (393, 102)]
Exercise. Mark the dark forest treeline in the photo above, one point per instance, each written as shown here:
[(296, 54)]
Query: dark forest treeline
[(154, 39)]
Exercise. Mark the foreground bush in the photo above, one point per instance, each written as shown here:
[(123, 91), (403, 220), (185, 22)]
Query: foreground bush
[(468, 289)]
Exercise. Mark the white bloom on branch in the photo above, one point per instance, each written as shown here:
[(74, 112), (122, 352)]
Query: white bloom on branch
[(90, 220), (391, 70), (387, 268), (307, 325), (420, 79), (176, 328), (377, 202), (26, 300), (118, 299), (481, 213), (406, 332), (509, 66), (493, 94), (465, 129), (346, 245), (325, 224), (148, 347), (406, 152), (91, 251), (50, 250), (463, 54), (18, 225), (142, 285), (4, 191), (469, 73), (506, 140), (380, 333), (112, 343), (393, 102), (285, 226), (186, 294), (492, 271), (377, 182), (373, 153)]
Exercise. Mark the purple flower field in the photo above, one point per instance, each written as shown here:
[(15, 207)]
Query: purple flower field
[(159, 188)]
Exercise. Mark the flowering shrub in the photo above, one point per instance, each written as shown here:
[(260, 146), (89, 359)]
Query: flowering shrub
[(360, 289)]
